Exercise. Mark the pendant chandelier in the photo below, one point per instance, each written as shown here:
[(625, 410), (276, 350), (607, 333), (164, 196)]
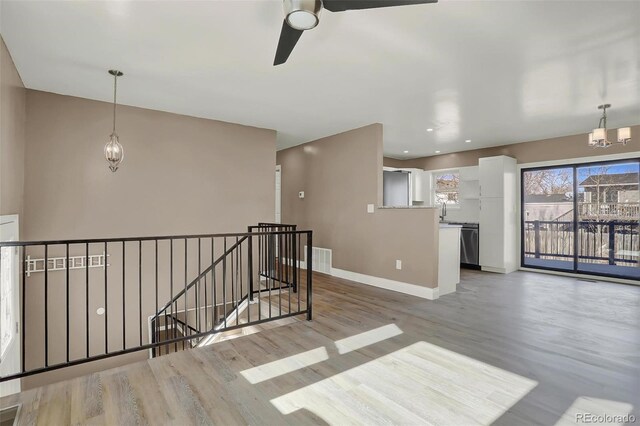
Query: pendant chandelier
[(113, 151), (598, 137)]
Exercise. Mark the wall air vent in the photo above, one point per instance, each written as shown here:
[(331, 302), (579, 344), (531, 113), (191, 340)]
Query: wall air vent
[(321, 259)]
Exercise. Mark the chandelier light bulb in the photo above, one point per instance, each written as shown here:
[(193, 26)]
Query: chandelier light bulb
[(599, 135), (113, 152), (624, 135)]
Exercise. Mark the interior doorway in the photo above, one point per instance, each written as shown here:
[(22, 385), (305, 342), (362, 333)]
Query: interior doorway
[(9, 305)]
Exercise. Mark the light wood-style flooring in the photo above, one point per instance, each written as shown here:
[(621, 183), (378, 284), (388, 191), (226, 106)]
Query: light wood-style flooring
[(515, 349)]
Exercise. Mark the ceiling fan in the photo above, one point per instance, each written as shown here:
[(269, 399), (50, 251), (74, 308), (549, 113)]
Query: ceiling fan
[(302, 15)]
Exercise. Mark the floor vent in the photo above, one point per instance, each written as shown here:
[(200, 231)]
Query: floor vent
[(321, 259)]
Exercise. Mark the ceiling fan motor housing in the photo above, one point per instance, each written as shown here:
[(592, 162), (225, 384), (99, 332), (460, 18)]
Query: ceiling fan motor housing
[(302, 14)]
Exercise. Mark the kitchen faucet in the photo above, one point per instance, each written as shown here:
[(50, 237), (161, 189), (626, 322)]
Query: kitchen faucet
[(443, 211)]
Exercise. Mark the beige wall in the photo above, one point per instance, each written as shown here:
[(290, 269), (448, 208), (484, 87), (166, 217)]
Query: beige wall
[(181, 175), (340, 175), (560, 148), (12, 135)]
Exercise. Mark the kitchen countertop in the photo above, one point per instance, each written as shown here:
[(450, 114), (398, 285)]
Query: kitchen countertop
[(447, 225)]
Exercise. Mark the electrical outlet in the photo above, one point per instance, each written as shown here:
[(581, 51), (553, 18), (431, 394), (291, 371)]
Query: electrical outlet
[(301, 194), (398, 264)]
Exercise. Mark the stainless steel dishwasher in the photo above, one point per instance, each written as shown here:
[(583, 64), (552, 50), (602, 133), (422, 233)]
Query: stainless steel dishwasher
[(469, 244)]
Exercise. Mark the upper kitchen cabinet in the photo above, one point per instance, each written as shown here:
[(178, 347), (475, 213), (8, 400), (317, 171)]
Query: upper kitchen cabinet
[(496, 174), (469, 184), (468, 174), (418, 187)]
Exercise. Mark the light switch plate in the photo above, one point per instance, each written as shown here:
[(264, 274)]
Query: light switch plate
[(398, 264), (301, 194), (370, 208)]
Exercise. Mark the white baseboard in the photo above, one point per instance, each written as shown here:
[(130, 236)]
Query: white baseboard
[(494, 270), (401, 287)]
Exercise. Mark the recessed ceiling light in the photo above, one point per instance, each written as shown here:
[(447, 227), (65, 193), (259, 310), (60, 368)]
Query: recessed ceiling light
[(429, 130), (406, 152), (437, 152), (468, 141)]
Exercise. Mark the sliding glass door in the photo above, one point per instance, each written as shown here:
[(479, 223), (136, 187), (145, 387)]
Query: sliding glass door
[(582, 218)]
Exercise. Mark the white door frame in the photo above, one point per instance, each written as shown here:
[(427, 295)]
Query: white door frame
[(10, 359)]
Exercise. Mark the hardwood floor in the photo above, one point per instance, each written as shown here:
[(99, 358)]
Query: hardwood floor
[(522, 348)]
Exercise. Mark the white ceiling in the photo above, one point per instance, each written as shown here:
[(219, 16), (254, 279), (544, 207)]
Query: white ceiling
[(493, 72)]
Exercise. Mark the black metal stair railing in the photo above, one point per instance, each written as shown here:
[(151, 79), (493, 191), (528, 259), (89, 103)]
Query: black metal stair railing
[(276, 250), (89, 299)]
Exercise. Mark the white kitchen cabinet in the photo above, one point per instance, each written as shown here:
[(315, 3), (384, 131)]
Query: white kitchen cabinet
[(417, 185), (492, 175), (498, 225), (427, 182), (469, 173), (469, 189), (448, 258)]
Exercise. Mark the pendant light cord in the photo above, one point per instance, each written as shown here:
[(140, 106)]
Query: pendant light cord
[(603, 119), (115, 90)]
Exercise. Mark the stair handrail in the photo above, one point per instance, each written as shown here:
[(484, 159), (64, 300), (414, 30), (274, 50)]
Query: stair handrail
[(221, 258), (199, 277)]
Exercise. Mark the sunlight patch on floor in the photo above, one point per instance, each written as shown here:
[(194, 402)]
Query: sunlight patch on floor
[(585, 410), (355, 342), (285, 365), (419, 384)]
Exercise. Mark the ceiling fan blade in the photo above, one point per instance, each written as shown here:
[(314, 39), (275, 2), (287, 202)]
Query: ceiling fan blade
[(288, 39), (342, 5)]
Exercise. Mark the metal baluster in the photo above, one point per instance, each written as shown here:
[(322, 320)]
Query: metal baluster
[(240, 274), (124, 300), (67, 297), (185, 327), (106, 302), (24, 306), (140, 288), (198, 289), (238, 292), (46, 305), (289, 259), (86, 283), (173, 302), (249, 275), (260, 256), (279, 268), (299, 236), (309, 274), (214, 308), (269, 267), (234, 302), (157, 314), (224, 281)]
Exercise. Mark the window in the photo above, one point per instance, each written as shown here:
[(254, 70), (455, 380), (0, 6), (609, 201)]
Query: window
[(446, 187), (582, 218)]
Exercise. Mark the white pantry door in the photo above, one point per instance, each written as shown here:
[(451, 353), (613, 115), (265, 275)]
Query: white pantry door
[(9, 306)]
